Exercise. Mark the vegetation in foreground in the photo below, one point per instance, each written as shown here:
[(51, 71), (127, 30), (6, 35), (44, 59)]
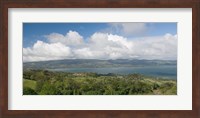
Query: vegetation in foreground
[(42, 82)]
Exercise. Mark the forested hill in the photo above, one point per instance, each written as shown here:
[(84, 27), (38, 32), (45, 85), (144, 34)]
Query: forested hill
[(94, 63)]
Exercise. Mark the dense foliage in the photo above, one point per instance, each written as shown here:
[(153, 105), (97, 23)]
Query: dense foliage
[(44, 82)]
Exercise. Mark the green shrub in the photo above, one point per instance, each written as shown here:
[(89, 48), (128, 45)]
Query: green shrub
[(28, 91)]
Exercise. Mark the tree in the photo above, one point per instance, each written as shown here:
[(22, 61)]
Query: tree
[(28, 91), (48, 89)]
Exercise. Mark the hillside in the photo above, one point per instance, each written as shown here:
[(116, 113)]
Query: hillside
[(40, 82), (94, 63)]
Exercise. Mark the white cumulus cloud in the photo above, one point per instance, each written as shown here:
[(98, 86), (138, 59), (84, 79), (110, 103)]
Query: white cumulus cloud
[(102, 46), (71, 38), (42, 51), (157, 47)]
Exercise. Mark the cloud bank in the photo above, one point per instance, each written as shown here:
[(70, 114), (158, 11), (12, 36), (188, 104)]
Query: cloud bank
[(101, 46)]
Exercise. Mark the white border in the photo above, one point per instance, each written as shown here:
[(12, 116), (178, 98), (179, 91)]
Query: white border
[(182, 101)]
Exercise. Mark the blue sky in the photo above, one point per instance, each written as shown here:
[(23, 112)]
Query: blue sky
[(134, 40), (36, 31)]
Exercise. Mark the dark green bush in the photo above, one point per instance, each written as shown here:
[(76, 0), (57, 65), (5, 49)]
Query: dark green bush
[(28, 91)]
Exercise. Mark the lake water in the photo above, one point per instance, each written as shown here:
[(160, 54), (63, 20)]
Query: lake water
[(156, 71)]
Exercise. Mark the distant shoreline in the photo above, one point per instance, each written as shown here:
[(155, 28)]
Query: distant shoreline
[(157, 68), (109, 74)]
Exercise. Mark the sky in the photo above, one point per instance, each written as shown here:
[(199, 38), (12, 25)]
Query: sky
[(56, 41)]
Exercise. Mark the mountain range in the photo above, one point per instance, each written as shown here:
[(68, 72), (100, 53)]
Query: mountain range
[(95, 63)]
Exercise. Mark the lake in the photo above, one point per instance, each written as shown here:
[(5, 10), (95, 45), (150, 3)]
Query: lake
[(169, 71)]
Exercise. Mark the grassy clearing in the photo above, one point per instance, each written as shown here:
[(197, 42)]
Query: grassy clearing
[(29, 83)]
